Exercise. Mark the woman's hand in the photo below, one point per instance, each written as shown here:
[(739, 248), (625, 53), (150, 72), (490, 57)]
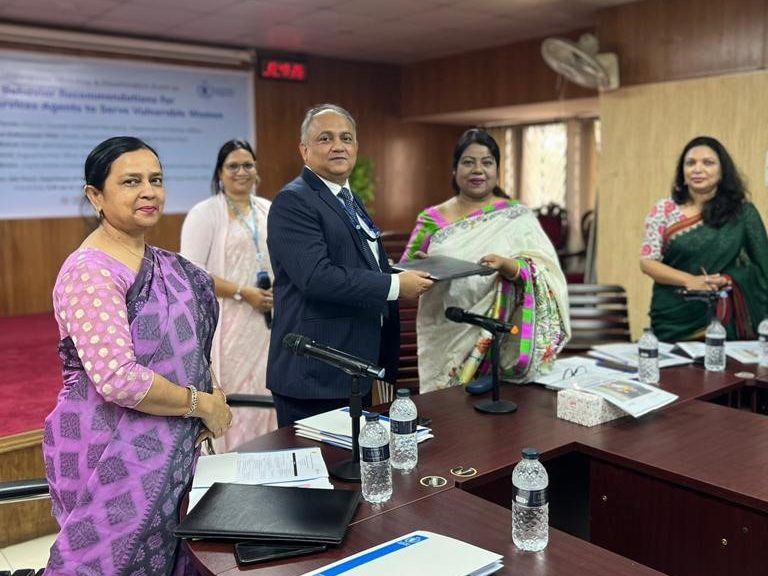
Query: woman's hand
[(258, 298), (419, 255), (214, 412), (506, 266), (204, 435), (705, 282)]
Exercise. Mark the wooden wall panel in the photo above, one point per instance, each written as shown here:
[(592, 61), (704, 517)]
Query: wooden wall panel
[(659, 40), (644, 128), (412, 160), (32, 251), (496, 77)]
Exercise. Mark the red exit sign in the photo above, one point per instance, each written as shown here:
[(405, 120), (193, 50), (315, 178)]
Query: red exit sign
[(283, 69)]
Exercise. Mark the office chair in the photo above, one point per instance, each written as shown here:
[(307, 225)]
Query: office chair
[(599, 315)]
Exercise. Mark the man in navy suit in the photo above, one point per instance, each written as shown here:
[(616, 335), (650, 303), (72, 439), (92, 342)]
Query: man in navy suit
[(333, 283)]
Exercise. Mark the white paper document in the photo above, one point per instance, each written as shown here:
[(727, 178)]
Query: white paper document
[(303, 467), (625, 354), (632, 397), (419, 553), (744, 351), (260, 467), (335, 427), (691, 349), (580, 372)]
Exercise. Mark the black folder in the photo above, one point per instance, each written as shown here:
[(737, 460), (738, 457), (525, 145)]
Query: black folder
[(271, 513), (445, 267)]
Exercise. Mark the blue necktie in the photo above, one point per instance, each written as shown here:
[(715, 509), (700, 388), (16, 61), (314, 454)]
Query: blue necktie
[(351, 210)]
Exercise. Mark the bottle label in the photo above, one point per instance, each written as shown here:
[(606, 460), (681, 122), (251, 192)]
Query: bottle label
[(402, 426), (531, 498), (377, 454), (648, 353), (714, 341)]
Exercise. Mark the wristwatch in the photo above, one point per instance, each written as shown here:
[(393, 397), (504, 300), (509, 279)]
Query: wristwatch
[(237, 296)]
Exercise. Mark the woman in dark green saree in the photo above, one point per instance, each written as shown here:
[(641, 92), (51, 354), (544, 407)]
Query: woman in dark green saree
[(706, 237)]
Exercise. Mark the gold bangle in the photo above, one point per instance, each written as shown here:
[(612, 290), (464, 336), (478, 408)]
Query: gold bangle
[(192, 401)]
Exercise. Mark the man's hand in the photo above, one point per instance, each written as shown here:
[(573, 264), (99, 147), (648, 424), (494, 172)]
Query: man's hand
[(414, 283)]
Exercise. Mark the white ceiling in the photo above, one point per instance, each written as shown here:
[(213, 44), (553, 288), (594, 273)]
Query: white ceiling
[(392, 31)]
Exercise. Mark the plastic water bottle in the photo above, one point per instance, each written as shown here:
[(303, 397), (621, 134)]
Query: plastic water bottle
[(375, 473), (762, 334), (714, 348), (648, 353), (403, 420), (530, 504)]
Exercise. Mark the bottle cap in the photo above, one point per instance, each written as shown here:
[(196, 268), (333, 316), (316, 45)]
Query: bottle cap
[(403, 392), (530, 453), (372, 417)]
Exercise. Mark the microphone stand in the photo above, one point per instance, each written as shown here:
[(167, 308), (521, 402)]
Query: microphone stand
[(349, 470), (495, 405), (707, 296)]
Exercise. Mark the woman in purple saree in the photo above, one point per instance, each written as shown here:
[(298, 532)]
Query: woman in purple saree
[(136, 324)]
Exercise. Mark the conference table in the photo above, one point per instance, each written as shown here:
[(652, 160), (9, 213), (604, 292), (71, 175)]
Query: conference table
[(683, 490)]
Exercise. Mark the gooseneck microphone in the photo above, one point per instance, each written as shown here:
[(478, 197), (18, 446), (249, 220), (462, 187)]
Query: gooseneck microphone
[(263, 282), (353, 365), (458, 315)]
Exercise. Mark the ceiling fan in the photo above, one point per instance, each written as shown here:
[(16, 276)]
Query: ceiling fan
[(581, 63)]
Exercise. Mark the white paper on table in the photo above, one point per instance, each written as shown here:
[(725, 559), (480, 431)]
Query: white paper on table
[(744, 351), (633, 397), (302, 467), (691, 349), (335, 427), (260, 467), (580, 372), (627, 354), (419, 553)]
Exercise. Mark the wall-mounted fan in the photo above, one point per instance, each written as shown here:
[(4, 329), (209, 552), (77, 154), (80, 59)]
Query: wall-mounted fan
[(580, 62)]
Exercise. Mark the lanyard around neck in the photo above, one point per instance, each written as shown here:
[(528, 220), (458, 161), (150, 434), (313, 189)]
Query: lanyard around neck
[(251, 225)]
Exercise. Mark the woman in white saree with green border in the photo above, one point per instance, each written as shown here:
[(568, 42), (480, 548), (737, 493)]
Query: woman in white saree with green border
[(529, 291)]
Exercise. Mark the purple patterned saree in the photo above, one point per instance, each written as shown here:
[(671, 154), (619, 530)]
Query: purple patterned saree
[(117, 475)]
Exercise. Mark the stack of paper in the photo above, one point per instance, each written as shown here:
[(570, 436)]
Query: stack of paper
[(744, 351), (335, 427), (625, 354), (579, 372), (302, 467), (632, 397), (419, 553), (616, 386)]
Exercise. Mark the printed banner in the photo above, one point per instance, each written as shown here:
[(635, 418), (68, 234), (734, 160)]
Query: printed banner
[(54, 110)]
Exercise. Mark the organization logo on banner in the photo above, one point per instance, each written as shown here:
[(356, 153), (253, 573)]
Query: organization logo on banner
[(207, 90)]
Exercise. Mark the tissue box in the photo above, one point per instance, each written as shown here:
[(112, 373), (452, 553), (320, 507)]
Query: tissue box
[(586, 409)]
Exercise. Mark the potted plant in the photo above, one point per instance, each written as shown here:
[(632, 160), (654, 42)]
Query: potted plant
[(363, 181)]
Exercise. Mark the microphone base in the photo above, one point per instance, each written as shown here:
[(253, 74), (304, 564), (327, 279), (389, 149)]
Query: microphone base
[(347, 471), (496, 407)]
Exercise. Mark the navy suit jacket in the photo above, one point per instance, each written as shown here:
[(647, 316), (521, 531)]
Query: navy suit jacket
[(325, 289)]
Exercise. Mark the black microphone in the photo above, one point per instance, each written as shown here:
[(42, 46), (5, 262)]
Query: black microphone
[(458, 315), (702, 295), (263, 282), (353, 365)]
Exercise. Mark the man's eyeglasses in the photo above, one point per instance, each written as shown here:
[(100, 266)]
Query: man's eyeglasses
[(235, 168)]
